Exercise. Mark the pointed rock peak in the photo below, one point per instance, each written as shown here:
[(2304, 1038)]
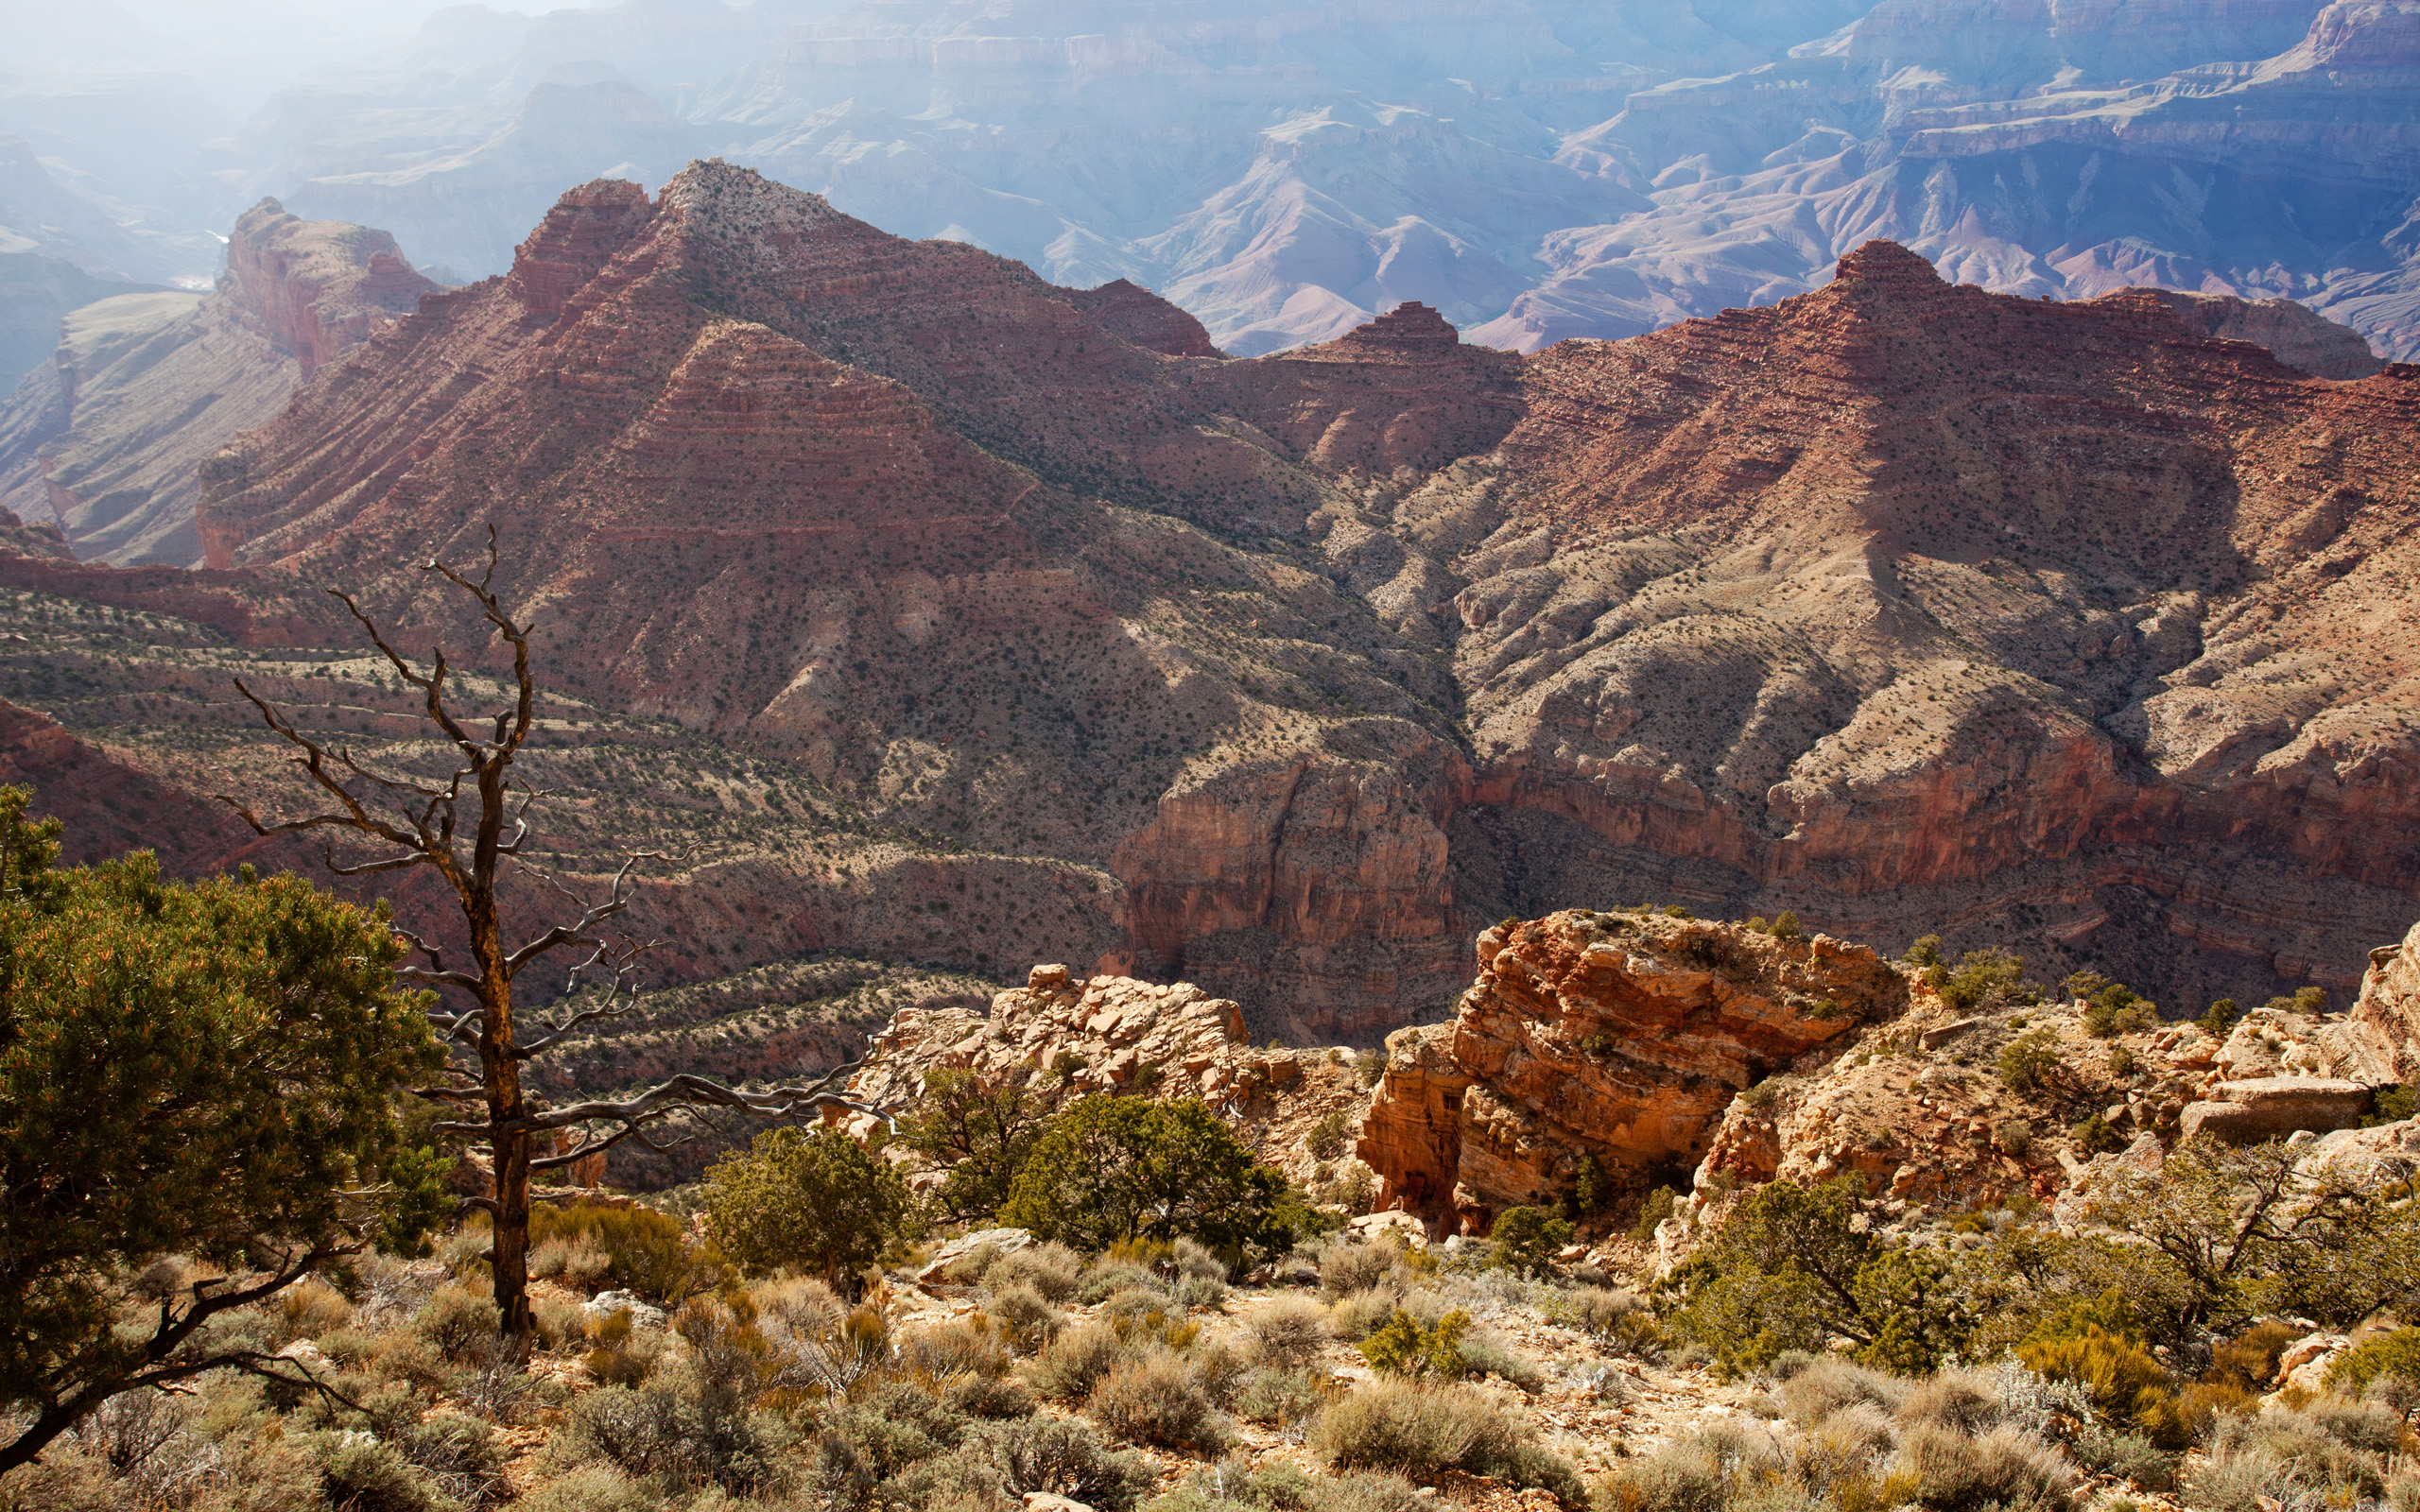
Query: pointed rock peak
[(588, 225), (1889, 266), (270, 207), (1410, 325)]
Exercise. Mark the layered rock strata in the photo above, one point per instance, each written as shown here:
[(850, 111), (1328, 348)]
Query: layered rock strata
[(107, 435), (1913, 609), (1620, 1037)]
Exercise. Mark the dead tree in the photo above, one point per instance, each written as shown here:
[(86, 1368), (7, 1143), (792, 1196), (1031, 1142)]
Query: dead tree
[(466, 827)]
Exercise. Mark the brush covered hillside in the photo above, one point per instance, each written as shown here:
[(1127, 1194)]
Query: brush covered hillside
[(1906, 607), (1086, 1247)]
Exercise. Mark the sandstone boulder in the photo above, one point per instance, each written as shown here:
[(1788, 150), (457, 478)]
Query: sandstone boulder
[(1620, 1037), (2243, 1113)]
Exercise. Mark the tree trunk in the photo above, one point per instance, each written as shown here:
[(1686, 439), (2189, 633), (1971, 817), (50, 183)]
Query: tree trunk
[(511, 1156), (52, 1422)]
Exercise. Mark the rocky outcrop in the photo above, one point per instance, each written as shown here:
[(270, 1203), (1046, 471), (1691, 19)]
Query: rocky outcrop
[(1133, 312), (1068, 1035), (2267, 1107), (1621, 1037), (106, 437), (2295, 334), (2388, 1011)]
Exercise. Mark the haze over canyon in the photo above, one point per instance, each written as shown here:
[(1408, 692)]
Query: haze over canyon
[(1947, 544)]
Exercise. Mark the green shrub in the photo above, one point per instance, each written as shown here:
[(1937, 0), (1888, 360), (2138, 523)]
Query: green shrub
[(1404, 1348), (1980, 975), (2219, 1019), (1526, 1239), (815, 1201), (2123, 1380), (2392, 1354), (2028, 1061), (2394, 1105), (1113, 1168), (1328, 1137), (1063, 1459), (456, 1323), (1653, 1213), (646, 1251), (2095, 1137), (1786, 926)]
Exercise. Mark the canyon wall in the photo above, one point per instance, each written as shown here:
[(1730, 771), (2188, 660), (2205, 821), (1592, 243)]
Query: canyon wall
[(106, 437)]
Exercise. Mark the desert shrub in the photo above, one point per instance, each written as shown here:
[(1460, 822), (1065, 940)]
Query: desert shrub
[(589, 1488), (880, 1437), (1328, 1137), (1651, 1212), (1528, 1239), (578, 1261), (1717, 1468), (2125, 1382), (1349, 1265), (1194, 1259), (1289, 1333), (1487, 1353), (356, 1470), (2127, 1457), (950, 1352), (1202, 1291), (1826, 1387), (1060, 1458), (2392, 1354), (2363, 1427), (1223, 1366), (1026, 1320), (1140, 1317), (2095, 1137), (1153, 1398), (1273, 1486), (646, 1251), (1403, 1346), (2028, 1061), (2004, 1469), (1362, 1313), (309, 1308), (1068, 1368), (620, 1355), (1106, 1277), (1418, 1430), (455, 1322), (1279, 1397), (1961, 1401), (2281, 1457), (1052, 1269)]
